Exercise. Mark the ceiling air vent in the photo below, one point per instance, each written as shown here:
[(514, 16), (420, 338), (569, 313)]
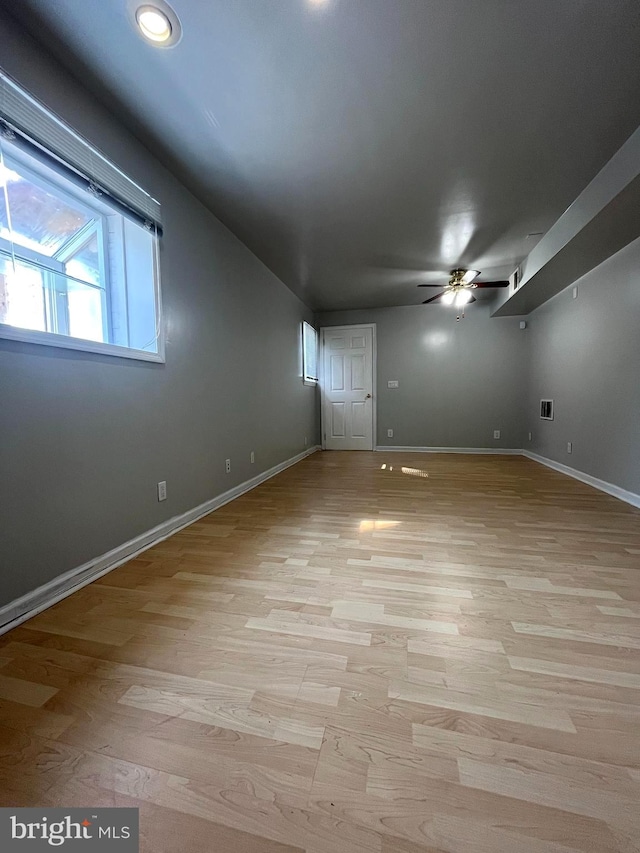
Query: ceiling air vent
[(546, 410)]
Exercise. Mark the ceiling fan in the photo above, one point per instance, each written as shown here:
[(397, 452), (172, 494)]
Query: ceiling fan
[(458, 291)]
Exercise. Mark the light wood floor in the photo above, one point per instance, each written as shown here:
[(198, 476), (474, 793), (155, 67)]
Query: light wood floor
[(351, 657)]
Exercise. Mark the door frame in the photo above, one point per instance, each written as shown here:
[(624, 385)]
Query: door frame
[(374, 380)]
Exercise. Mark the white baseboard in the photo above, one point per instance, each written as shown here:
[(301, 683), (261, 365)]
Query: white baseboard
[(622, 494), (491, 450), (18, 611), (617, 492)]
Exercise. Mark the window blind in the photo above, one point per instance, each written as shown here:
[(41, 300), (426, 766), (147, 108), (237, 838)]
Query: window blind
[(24, 116)]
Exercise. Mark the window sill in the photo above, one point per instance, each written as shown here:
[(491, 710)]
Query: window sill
[(13, 333)]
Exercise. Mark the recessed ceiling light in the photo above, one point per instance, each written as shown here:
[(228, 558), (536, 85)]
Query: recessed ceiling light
[(154, 24)]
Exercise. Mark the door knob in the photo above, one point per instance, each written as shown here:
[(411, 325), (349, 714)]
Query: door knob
[(367, 397)]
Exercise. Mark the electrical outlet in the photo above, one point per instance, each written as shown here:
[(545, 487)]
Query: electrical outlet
[(227, 466), (252, 457), (574, 292), (306, 441), (496, 433), (162, 491), (389, 433), (530, 436), (569, 447)]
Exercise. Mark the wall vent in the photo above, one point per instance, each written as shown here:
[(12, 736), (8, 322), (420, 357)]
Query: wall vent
[(546, 410), (516, 277)]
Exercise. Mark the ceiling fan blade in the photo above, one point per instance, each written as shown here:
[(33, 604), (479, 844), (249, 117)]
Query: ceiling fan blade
[(433, 298), (429, 285), (473, 299), (492, 284)]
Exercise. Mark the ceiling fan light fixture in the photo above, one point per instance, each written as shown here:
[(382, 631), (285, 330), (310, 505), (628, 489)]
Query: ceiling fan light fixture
[(448, 297), (462, 297)]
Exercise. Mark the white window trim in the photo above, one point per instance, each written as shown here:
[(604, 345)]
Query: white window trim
[(31, 336), (305, 379)]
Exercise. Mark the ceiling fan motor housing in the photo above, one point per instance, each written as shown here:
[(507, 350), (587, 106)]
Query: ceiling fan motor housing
[(463, 278)]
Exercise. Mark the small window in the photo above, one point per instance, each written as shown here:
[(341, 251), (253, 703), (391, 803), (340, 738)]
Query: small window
[(78, 258), (309, 354), (546, 410)]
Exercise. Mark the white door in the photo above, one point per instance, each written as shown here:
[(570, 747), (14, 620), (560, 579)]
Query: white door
[(347, 388)]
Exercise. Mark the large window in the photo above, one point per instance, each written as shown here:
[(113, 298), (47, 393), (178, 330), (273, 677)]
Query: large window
[(78, 268)]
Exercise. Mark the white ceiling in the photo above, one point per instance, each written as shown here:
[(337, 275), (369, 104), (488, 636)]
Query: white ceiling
[(353, 144)]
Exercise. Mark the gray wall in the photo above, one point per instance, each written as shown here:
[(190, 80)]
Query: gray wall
[(85, 438), (585, 355), (458, 380)]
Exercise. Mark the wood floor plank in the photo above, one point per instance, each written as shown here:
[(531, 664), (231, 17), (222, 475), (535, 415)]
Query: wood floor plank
[(25, 692), (580, 673), (618, 611), (419, 589), (482, 705), (318, 632), (594, 775), (545, 789), (578, 635), (36, 721), (452, 647), (545, 585), (229, 710), (410, 805), (375, 614)]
